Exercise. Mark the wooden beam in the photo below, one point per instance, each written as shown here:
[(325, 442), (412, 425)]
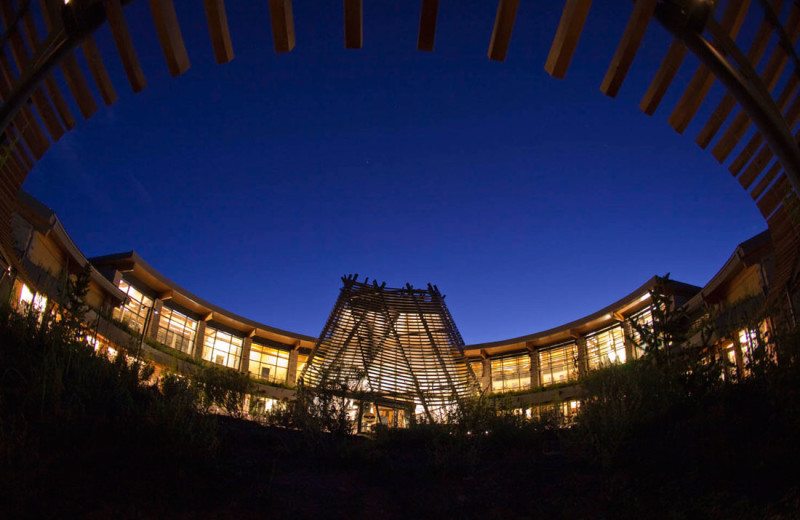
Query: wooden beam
[(626, 50), (79, 86), (427, 25), (725, 107), (766, 181), (703, 79), (22, 154), (663, 78), (218, 30), (769, 76), (765, 155), (124, 44), (98, 70), (756, 166), (503, 26), (15, 41), (567, 35), (169, 35), (31, 134), (353, 24), (280, 11), (49, 117), (60, 102), (774, 196), (747, 152), (50, 85)]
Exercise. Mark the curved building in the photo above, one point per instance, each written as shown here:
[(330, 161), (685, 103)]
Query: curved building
[(399, 347)]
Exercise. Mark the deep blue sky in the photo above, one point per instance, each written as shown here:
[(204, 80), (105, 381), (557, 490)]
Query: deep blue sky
[(529, 201)]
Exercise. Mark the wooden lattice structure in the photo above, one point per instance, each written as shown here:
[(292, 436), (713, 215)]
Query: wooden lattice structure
[(753, 126), (392, 346)]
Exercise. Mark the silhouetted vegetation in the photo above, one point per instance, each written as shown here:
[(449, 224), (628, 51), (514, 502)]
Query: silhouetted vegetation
[(664, 436)]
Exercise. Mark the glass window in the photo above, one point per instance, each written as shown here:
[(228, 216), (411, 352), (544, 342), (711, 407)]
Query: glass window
[(269, 363), (176, 330), (29, 299), (477, 368), (222, 348), (643, 319), (133, 312), (511, 373), (558, 364), (301, 365), (605, 348)]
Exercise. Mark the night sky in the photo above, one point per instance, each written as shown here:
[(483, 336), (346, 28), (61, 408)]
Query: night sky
[(529, 201)]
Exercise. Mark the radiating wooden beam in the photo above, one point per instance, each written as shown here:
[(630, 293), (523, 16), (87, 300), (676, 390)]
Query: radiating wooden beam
[(756, 166), (217, 20), (31, 134), (49, 117), (15, 41), (567, 35), (503, 26), (774, 196), (169, 35), (766, 181), (79, 86), (124, 44), (628, 45), (772, 71), (280, 12), (765, 155), (14, 138), (98, 70), (725, 107), (663, 78), (703, 79), (50, 85), (750, 148), (353, 24), (427, 25)]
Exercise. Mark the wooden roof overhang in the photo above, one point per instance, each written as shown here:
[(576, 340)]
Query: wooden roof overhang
[(604, 318), (161, 287)]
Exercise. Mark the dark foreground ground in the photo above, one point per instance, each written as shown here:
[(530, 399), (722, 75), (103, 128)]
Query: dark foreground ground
[(732, 470)]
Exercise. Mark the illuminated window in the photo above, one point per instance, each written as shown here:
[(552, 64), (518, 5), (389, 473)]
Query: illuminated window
[(222, 348), (477, 368), (511, 373), (176, 330), (302, 361), (643, 319), (31, 300), (134, 312), (558, 364), (605, 348), (269, 363), (752, 339)]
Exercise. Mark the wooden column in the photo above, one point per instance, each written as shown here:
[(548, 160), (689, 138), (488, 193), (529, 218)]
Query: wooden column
[(155, 318), (583, 368), (199, 340), (486, 380), (244, 362), (291, 372), (536, 380)]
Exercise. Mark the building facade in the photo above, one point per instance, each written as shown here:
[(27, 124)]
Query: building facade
[(133, 306)]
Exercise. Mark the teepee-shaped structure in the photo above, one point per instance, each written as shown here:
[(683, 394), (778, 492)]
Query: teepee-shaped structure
[(393, 345)]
